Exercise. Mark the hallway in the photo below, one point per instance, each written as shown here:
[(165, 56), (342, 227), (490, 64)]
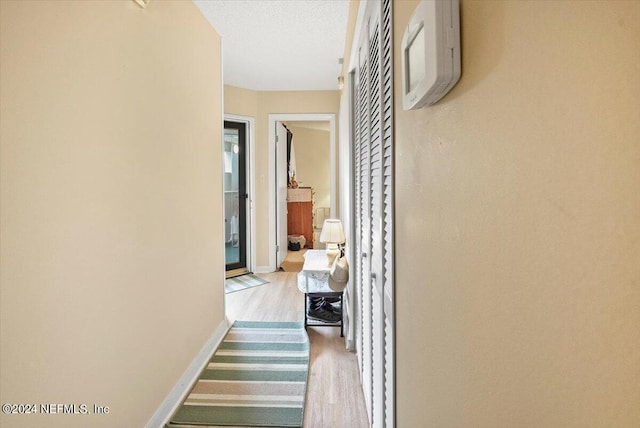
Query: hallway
[(334, 395)]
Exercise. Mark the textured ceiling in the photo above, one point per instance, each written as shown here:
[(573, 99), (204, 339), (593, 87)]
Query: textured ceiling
[(280, 44)]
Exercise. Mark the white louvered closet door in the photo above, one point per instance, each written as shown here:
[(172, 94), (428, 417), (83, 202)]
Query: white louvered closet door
[(388, 212), (364, 231), (373, 134), (357, 214)]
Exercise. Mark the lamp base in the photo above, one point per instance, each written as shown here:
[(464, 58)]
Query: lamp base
[(332, 252)]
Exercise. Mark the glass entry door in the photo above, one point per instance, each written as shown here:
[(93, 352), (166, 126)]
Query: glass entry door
[(235, 197)]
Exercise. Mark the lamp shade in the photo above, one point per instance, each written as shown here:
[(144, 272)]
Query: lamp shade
[(332, 232)]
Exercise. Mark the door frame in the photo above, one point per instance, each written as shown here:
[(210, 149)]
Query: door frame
[(251, 185), (285, 117)]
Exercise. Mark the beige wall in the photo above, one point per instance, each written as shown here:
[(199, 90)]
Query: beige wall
[(518, 223), (240, 101), (312, 162), (273, 102), (112, 263)]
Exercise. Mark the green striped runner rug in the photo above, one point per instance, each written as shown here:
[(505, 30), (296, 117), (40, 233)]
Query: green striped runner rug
[(256, 377), (243, 282)]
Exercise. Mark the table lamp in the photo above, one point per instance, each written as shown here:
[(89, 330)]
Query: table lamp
[(332, 235)]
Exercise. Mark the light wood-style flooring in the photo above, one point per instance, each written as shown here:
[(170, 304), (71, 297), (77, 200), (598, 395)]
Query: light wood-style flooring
[(334, 394)]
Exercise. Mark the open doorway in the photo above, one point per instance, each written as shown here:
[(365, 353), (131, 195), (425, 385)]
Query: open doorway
[(314, 170), (311, 169)]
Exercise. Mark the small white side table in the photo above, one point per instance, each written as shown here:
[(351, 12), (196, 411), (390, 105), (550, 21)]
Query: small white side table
[(315, 281)]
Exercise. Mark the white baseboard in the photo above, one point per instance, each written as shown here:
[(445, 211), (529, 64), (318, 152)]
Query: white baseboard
[(263, 269), (351, 345), (181, 389)]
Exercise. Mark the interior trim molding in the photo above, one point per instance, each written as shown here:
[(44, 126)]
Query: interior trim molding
[(263, 269), (182, 388)]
